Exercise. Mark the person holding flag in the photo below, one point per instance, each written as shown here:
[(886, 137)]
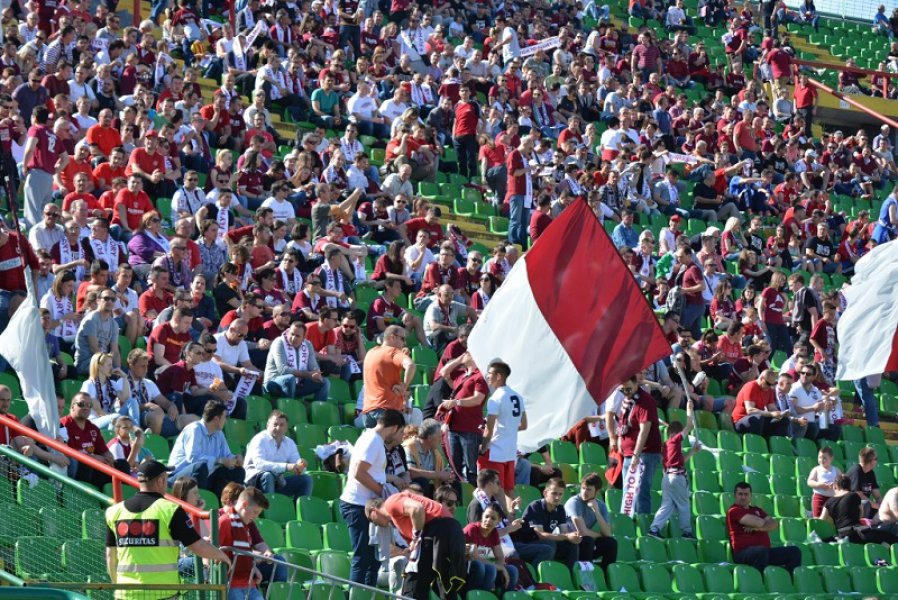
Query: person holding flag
[(638, 438)]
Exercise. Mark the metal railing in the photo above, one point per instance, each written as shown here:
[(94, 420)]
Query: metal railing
[(132, 591), (303, 582)]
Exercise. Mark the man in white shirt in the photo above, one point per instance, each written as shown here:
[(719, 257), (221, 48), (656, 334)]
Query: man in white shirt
[(807, 401), (232, 351), (273, 463), (365, 481), (418, 256), (505, 417), (277, 202), (511, 46), (395, 106), (49, 232)]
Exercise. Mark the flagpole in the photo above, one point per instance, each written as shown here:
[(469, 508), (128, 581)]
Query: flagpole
[(14, 211)]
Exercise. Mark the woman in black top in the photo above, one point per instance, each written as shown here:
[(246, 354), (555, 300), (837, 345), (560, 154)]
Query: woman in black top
[(844, 510)]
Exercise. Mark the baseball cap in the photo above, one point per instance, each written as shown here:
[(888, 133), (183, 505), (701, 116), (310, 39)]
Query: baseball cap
[(150, 470), (810, 154), (151, 134), (676, 218)]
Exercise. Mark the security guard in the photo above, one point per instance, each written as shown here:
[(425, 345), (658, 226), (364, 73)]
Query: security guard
[(143, 534)]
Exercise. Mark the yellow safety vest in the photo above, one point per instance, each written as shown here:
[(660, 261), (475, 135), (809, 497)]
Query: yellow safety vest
[(147, 553)]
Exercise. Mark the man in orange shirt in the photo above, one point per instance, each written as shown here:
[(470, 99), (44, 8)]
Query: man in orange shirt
[(149, 163), (78, 163), (385, 385), (436, 541), (103, 135)]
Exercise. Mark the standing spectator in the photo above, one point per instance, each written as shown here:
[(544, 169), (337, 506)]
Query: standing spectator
[(674, 487), (688, 276), (638, 438), (15, 254), (505, 416), (590, 519), (98, 332), (805, 102), (44, 158), (464, 132), (201, 451), (365, 481), (388, 373), (466, 420), (519, 191), (234, 526), (749, 528), (821, 479), (273, 463)]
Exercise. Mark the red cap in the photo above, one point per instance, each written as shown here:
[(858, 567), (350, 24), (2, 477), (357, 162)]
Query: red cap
[(676, 218), (151, 134)]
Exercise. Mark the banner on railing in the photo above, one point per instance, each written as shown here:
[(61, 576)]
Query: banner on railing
[(546, 44), (632, 479)]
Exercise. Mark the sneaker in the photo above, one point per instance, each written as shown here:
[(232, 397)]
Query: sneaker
[(655, 533)]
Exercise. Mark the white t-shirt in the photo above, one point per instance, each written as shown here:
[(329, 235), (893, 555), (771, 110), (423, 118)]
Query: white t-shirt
[(391, 109), (611, 405), (90, 389), (368, 448), (508, 407), (232, 355), (513, 47), (804, 398), (411, 255), (207, 372), (283, 210)]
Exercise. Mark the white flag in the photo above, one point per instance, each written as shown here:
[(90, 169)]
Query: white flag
[(23, 345)]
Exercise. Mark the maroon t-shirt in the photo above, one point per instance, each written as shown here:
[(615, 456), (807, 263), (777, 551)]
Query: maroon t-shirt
[(172, 342), (691, 278), (176, 378), (88, 440), (645, 410), (672, 453), (741, 539), (389, 311), (468, 419), (47, 151)]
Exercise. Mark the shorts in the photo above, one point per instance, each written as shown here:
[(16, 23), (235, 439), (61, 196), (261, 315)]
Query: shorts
[(504, 469)]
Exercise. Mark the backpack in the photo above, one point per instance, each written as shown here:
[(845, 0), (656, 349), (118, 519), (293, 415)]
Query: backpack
[(676, 300)]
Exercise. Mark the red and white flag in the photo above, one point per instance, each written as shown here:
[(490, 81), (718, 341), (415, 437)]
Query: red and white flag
[(868, 329), (571, 323)]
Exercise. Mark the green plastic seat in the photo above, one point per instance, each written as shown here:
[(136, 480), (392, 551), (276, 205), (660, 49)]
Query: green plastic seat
[(593, 453), (887, 581), (705, 503), (780, 445), (778, 581), (655, 578), (596, 576), (863, 580), (718, 579), (324, 414), (326, 485), (294, 409), (480, 595), (309, 435), (652, 550), (682, 549), (336, 537), (555, 573), (238, 431), (83, 557), (320, 590), (622, 525), (313, 509), (822, 528), (36, 556), (93, 524), (710, 528), (747, 580), (563, 452), (826, 554), (43, 494), (304, 535), (527, 494), (280, 508), (837, 580), (875, 553), (623, 576), (687, 580), (463, 207), (60, 523), (158, 445), (346, 433), (499, 225), (272, 532), (340, 391), (852, 555), (713, 551), (787, 506), (793, 530), (334, 563)]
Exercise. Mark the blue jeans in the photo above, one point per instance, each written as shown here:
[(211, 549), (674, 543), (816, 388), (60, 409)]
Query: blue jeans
[(518, 220), (464, 449), (535, 552), (871, 408), (481, 576), (288, 386), (245, 594), (129, 408), (644, 498), (692, 318), (293, 485), (364, 558)]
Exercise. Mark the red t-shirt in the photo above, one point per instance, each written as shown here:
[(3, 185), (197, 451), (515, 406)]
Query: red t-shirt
[(106, 172), (47, 151), (672, 453), (148, 301), (412, 226), (136, 205), (319, 339), (435, 276), (731, 350), (172, 342), (516, 185), (88, 440), (255, 325), (232, 531), (395, 507), (645, 410), (390, 312), (752, 392), (468, 419), (467, 115), (5, 433), (494, 155), (691, 278), (741, 539), (474, 535), (453, 350), (146, 161), (303, 300), (774, 304), (745, 136), (539, 221), (176, 378)]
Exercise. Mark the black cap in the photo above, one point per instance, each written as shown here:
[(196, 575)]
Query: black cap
[(150, 470)]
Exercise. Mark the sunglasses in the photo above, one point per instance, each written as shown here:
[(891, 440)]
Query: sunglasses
[(808, 373), (82, 404), (349, 327), (108, 298)]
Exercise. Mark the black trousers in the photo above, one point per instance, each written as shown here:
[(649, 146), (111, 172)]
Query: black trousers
[(603, 547), (441, 562), (759, 557), (466, 146)]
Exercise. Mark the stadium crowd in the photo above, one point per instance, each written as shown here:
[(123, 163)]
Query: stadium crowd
[(188, 252)]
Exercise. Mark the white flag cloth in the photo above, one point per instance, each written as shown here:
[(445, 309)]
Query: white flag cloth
[(868, 329), (23, 345)]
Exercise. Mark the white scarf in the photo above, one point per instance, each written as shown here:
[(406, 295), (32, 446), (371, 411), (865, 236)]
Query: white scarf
[(505, 540), (67, 255), (188, 201), (107, 251), (350, 149), (223, 219), (417, 95), (291, 284), (528, 193), (297, 358), (333, 282), (63, 306), (247, 277)]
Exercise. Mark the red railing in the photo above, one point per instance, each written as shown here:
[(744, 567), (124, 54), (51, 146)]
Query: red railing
[(118, 478)]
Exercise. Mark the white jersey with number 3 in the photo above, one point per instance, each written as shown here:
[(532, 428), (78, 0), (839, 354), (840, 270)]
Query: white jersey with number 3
[(508, 407)]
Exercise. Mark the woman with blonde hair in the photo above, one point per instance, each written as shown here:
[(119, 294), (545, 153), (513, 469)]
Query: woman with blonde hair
[(111, 397), (408, 118), (732, 241), (224, 165)]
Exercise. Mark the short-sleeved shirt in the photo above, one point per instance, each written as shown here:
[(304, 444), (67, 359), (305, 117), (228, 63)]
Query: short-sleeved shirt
[(844, 510), (672, 454), (645, 410), (136, 206), (538, 514), (474, 535), (88, 440), (47, 151), (577, 507), (508, 407), (774, 303), (231, 354), (389, 312), (320, 340), (382, 370), (105, 330), (369, 448), (741, 539), (326, 101), (860, 481), (691, 278), (176, 378), (172, 342), (752, 392), (468, 419), (395, 507)]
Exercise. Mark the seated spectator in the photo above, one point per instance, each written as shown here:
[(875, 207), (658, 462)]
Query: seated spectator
[(590, 519), (112, 397), (127, 444), (546, 523), (157, 413), (749, 529), (291, 370), (756, 410), (483, 540), (201, 451), (846, 510), (426, 464), (85, 437), (273, 463), (863, 481)]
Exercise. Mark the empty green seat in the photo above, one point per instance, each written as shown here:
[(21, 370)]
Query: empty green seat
[(304, 535), (336, 537), (313, 509), (555, 573), (280, 508), (687, 580)]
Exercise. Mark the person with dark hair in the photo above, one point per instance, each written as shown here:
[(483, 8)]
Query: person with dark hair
[(541, 217), (546, 522), (674, 487), (82, 435), (43, 159), (201, 450), (590, 519), (234, 527), (366, 480), (749, 529), (756, 410)]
